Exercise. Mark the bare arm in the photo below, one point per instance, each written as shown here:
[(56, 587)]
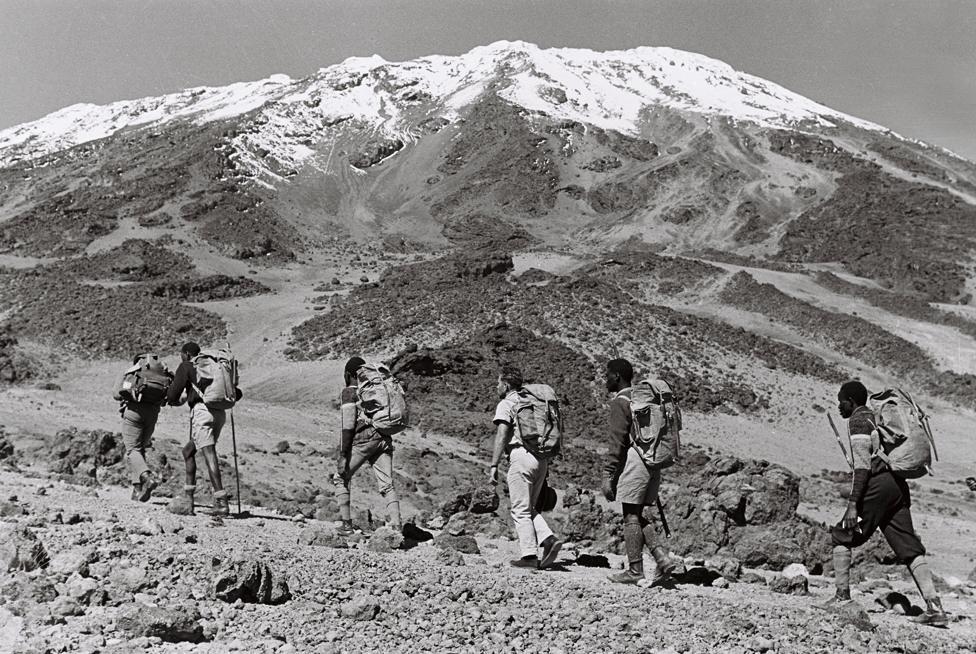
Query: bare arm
[(503, 436)]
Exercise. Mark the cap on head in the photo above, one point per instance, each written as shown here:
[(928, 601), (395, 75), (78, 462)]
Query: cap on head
[(354, 364), (855, 392), (190, 349)]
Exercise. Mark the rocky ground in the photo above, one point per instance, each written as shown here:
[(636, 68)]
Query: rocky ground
[(94, 571)]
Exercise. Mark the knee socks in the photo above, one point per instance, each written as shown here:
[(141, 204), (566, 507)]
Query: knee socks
[(919, 567), (634, 542), (842, 570)]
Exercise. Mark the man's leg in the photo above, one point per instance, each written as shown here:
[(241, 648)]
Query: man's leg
[(189, 460), (543, 533), (522, 469), (663, 561), (633, 543), (132, 426), (356, 460), (877, 500), (147, 480), (382, 464)]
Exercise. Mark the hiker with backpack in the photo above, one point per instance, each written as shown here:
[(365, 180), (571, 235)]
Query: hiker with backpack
[(373, 409), (887, 445), (527, 430), (644, 424), (141, 391), (208, 380)]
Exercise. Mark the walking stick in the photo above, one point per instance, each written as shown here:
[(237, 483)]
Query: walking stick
[(664, 520), (233, 434), (850, 463)]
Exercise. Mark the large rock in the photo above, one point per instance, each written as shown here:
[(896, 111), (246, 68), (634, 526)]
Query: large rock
[(797, 585), (483, 500), (360, 609), (173, 625), (72, 561), (251, 582), (20, 549), (385, 540), (463, 543), (324, 535), (6, 447)]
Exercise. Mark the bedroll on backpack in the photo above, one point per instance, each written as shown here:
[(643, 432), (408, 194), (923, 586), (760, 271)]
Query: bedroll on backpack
[(382, 400), (539, 420), (656, 430), (907, 444), (147, 381), (216, 378)]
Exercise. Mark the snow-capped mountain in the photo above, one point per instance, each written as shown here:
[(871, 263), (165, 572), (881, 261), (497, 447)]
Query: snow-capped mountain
[(611, 90), (507, 142)]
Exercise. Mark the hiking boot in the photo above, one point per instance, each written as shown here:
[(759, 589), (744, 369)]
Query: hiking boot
[(221, 504), (183, 504), (837, 599), (626, 577), (346, 529), (526, 562), (934, 616), (550, 550), (662, 574), (148, 484)]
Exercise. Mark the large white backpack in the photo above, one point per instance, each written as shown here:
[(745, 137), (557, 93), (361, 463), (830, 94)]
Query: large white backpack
[(217, 378), (907, 444), (539, 420), (381, 398), (656, 431)]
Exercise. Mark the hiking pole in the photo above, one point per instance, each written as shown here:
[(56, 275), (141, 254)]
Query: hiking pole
[(849, 461), (664, 520), (233, 434)]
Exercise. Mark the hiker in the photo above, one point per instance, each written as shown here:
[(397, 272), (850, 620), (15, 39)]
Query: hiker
[(879, 500), (206, 424), (628, 479), (141, 391), (361, 442), (526, 477)]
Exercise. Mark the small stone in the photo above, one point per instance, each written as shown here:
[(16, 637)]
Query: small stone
[(721, 582), (448, 557), (795, 570), (360, 609), (384, 540), (281, 447), (172, 625), (797, 585)]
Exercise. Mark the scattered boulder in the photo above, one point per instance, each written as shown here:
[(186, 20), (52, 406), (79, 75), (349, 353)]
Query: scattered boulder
[(180, 505), (463, 543), (63, 607), (251, 582), (797, 585), (324, 535), (384, 540), (73, 561), (795, 570), (412, 532), (752, 578), (448, 557), (281, 447), (730, 569), (20, 549), (129, 578), (360, 609), (6, 447), (483, 500), (852, 613), (80, 588), (173, 625), (592, 561)]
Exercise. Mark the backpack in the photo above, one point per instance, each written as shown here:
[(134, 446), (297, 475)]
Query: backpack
[(216, 378), (907, 444), (382, 400), (147, 381), (656, 430), (539, 419)]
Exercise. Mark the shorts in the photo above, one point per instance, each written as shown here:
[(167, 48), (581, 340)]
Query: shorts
[(637, 483), (205, 425)]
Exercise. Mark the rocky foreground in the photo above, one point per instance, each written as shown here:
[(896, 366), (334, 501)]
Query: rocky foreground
[(92, 571)]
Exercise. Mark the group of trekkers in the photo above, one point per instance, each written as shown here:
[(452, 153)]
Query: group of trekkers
[(643, 435)]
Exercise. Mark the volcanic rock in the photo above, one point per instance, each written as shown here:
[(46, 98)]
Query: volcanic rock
[(797, 585), (324, 535), (20, 549), (251, 582), (173, 625), (384, 540)]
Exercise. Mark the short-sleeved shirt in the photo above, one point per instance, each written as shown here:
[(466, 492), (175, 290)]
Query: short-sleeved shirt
[(505, 414), (353, 417)]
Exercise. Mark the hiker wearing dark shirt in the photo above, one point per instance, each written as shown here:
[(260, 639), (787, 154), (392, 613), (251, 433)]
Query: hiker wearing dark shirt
[(359, 443), (205, 427), (879, 500), (628, 479)]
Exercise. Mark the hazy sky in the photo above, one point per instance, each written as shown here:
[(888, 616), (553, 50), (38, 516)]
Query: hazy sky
[(907, 65)]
